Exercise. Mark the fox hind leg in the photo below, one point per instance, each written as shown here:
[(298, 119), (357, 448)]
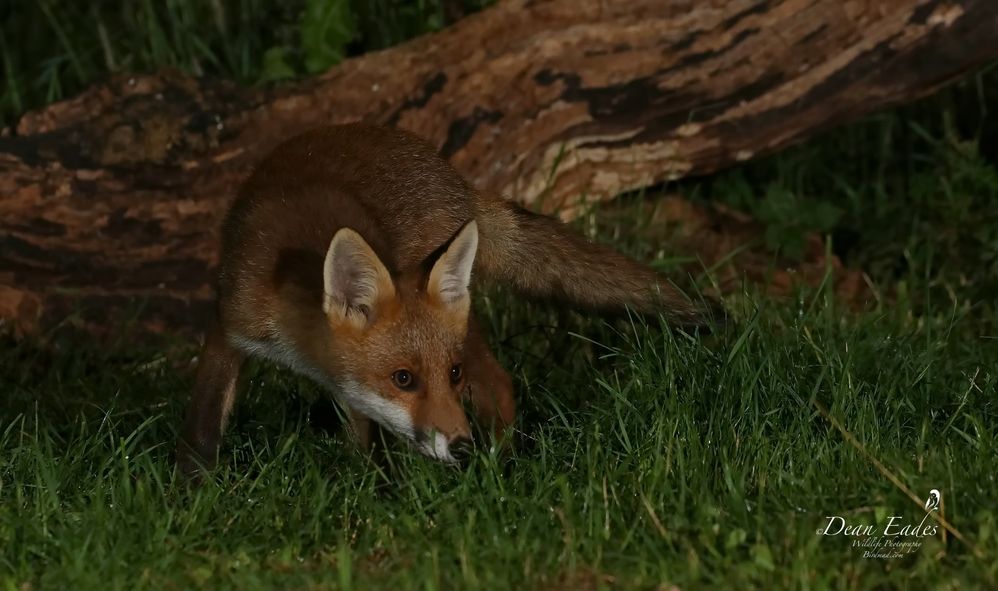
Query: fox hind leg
[(490, 389)]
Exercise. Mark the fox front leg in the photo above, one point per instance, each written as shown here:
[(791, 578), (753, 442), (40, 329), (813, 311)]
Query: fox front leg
[(209, 409), (368, 436), (490, 389)]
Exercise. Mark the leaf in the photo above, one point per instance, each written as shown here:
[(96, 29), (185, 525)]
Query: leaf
[(275, 65), (326, 28), (736, 537), (763, 557), (824, 215)]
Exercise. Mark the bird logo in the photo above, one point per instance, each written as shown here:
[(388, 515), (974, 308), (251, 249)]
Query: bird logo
[(932, 503)]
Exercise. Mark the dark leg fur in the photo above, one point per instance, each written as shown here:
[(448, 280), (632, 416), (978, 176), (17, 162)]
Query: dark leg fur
[(490, 388), (214, 394)]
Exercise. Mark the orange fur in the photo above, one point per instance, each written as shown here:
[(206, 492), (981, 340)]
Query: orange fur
[(376, 216)]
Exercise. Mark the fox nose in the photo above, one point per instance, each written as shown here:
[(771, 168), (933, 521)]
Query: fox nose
[(460, 448)]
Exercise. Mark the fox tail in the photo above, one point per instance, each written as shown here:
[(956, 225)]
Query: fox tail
[(543, 258)]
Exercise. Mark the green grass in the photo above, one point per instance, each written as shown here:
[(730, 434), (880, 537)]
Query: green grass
[(644, 458), (52, 49), (651, 458)]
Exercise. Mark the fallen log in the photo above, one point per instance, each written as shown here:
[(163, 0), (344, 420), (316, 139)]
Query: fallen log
[(116, 195)]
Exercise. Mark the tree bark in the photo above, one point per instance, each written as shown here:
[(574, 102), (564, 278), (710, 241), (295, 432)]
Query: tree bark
[(116, 196)]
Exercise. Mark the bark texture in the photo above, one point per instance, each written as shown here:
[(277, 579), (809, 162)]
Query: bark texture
[(116, 196)]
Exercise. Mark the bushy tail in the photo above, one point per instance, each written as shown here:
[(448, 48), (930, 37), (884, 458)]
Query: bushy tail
[(543, 258)]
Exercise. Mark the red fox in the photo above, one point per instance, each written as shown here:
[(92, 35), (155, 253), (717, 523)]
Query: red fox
[(348, 257)]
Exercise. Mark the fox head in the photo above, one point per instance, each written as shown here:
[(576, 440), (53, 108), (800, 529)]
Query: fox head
[(398, 343)]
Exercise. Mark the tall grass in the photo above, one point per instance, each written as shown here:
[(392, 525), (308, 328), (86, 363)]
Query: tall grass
[(54, 48), (643, 459)]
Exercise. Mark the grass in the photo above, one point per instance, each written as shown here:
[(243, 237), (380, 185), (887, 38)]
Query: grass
[(52, 49), (644, 458), (651, 458)]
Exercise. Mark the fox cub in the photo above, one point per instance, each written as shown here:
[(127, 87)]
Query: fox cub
[(348, 257)]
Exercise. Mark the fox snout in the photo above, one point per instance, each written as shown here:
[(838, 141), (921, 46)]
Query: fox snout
[(453, 449)]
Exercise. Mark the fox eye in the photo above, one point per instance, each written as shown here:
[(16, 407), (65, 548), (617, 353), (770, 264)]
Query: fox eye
[(456, 372), (404, 380)]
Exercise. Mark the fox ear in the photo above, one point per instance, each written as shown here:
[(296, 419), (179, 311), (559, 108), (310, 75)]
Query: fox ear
[(451, 274), (354, 279)]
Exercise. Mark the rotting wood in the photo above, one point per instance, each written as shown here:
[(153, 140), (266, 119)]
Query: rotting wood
[(116, 195)]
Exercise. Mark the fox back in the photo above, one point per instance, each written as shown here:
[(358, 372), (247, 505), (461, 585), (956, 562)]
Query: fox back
[(389, 187)]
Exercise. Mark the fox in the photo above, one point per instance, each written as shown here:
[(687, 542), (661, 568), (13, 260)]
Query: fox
[(349, 256)]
